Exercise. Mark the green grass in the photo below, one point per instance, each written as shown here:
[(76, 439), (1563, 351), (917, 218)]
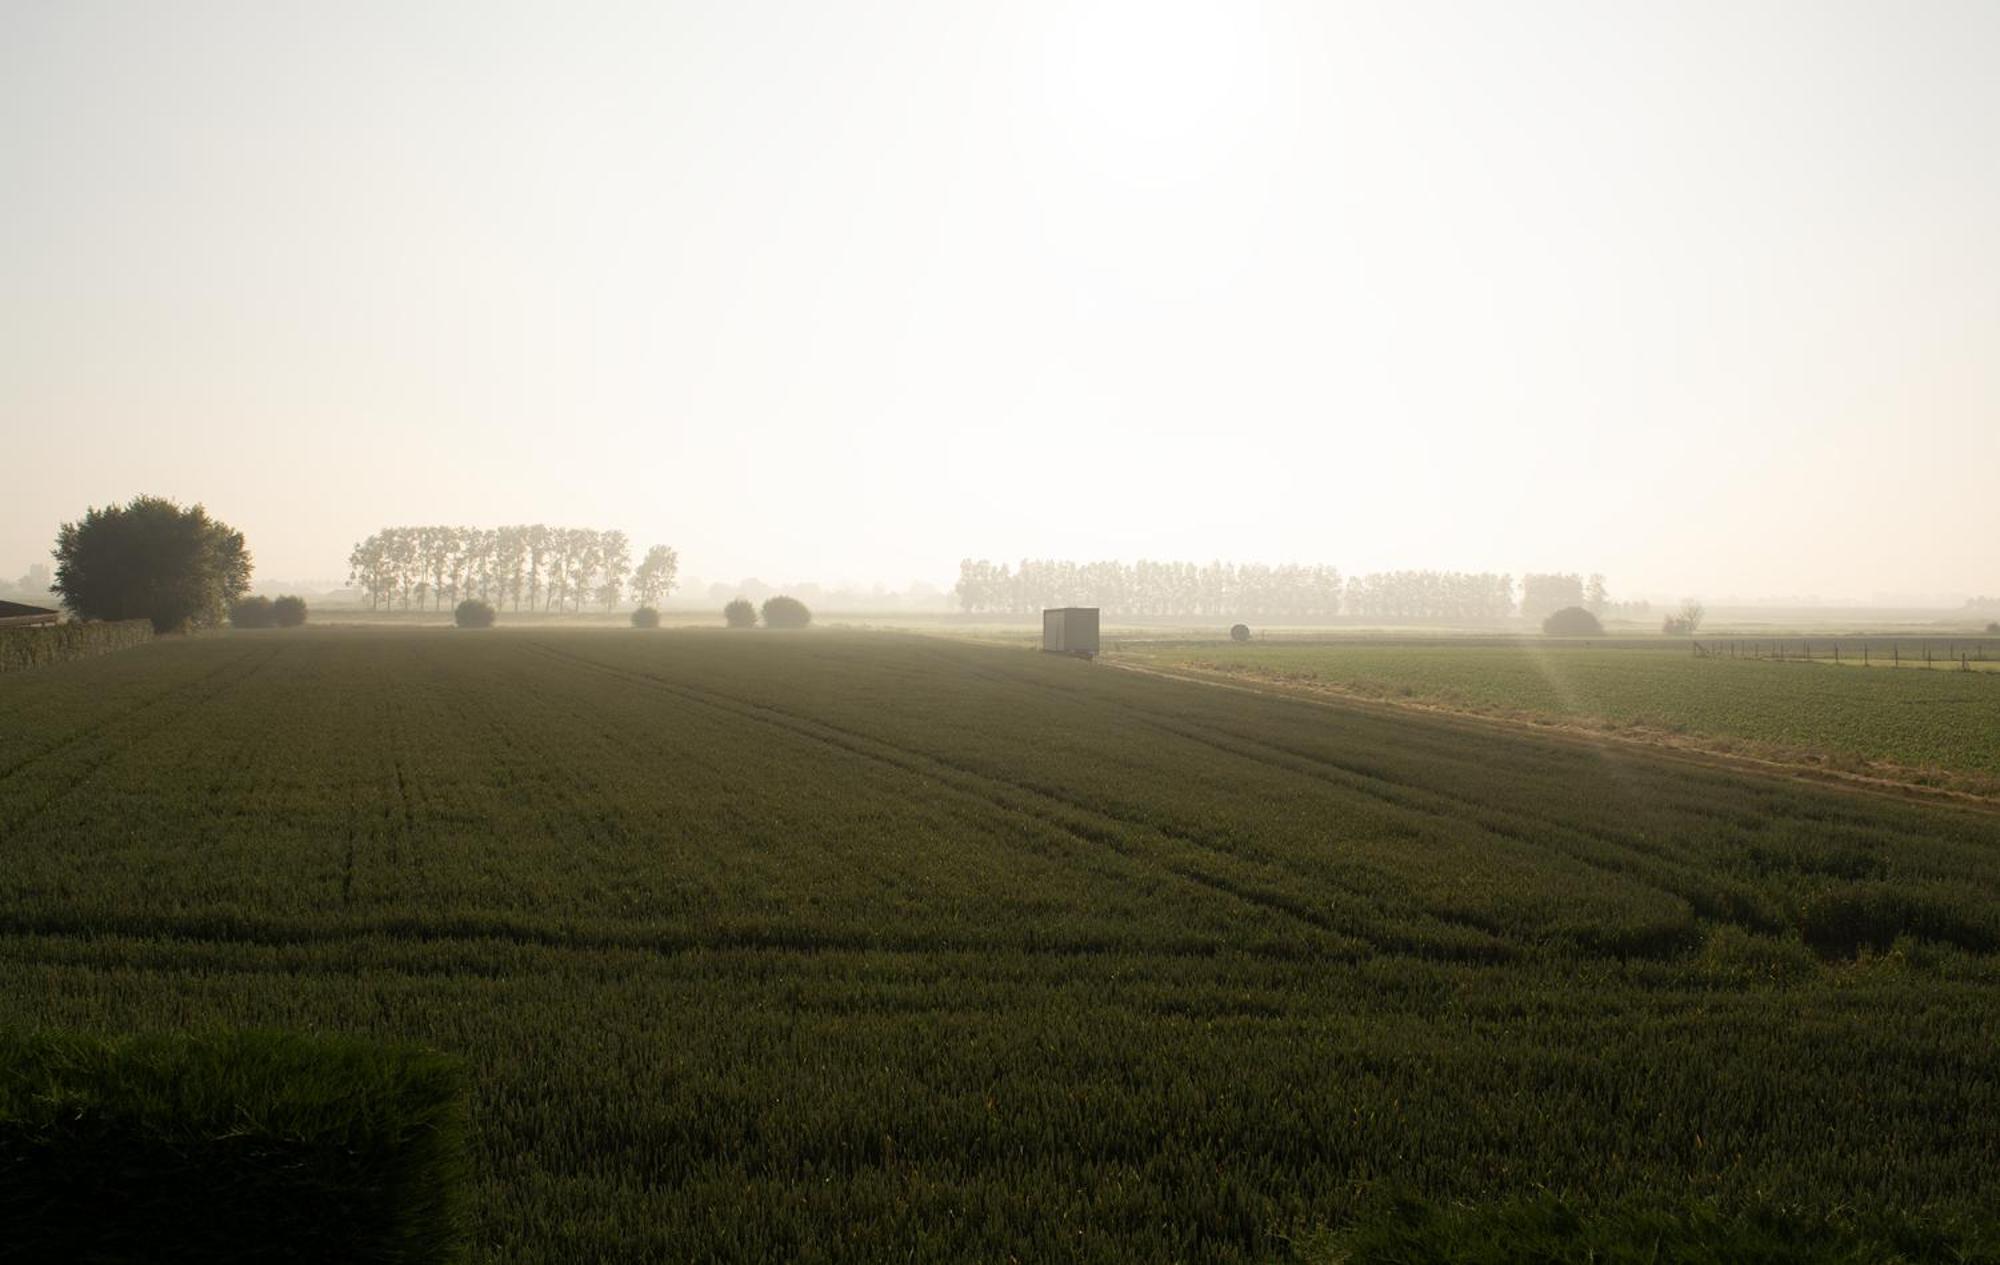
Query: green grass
[(842, 947), (1936, 719), (1551, 1231), (221, 1147)]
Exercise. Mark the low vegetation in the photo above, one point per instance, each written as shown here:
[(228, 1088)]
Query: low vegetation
[(229, 1147), (252, 612), (785, 612), (41, 645), (756, 949), (1572, 621), (645, 617), (473, 613), (740, 614), (1845, 714), (1554, 1231)]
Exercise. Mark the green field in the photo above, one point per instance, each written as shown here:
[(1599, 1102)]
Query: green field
[(830, 946), (1937, 719)]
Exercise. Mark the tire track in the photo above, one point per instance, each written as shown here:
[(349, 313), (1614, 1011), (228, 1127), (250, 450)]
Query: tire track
[(92, 731), (980, 785), (80, 778)]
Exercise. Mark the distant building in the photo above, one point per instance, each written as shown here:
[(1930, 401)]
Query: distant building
[(18, 615), (1070, 630)]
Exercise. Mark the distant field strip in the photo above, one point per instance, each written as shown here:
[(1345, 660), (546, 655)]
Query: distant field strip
[(1907, 721), (845, 947)]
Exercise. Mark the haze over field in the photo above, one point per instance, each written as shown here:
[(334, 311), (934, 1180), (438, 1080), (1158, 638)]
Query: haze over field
[(1703, 297)]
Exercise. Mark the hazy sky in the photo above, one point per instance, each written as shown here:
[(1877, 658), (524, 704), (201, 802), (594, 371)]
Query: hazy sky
[(1706, 297)]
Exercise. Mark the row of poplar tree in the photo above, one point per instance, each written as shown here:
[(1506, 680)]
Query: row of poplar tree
[(1255, 590), (533, 567)]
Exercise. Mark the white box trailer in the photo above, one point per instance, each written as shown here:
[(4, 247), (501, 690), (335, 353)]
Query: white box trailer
[(1070, 630)]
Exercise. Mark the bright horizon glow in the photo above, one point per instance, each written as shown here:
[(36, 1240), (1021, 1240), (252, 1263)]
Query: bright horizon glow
[(1704, 297)]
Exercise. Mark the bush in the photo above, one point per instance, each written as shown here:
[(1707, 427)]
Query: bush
[(151, 559), (1572, 621), (1994, 628), (473, 613), (1239, 632), (645, 617), (740, 614), (41, 645), (251, 612), (786, 612), (229, 1147), (1687, 623), (289, 612)]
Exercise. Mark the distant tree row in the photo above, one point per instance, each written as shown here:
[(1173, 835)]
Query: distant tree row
[(535, 567), (1150, 588), (1256, 590), (1430, 595)]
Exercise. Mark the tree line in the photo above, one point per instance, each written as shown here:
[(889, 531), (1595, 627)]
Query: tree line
[(1258, 590), (531, 566)]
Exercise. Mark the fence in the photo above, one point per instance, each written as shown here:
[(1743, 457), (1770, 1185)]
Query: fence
[(1956, 654)]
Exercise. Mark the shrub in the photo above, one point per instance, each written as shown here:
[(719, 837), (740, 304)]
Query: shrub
[(1572, 621), (42, 645), (1239, 632), (1994, 628), (740, 614), (786, 612), (473, 613), (229, 1147), (251, 612), (289, 612), (1687, 623), (645, 617)]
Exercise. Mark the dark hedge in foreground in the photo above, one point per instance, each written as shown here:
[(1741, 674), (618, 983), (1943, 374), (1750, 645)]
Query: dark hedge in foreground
[(40, 645), (229, 1147)]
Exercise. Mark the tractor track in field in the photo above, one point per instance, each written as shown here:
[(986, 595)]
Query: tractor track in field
[(1606, 851), (105, 726), (1676, 748), (18, 930), (191, 695), (1056, 810)]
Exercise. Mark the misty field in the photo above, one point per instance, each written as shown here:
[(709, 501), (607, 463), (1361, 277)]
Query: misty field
[(830, 946), (1914, 719)]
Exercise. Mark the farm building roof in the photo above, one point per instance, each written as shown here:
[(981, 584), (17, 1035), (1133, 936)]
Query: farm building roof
[(11, 612)]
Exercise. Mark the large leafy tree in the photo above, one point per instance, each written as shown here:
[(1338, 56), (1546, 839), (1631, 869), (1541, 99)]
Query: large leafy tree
[(151, 559)]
